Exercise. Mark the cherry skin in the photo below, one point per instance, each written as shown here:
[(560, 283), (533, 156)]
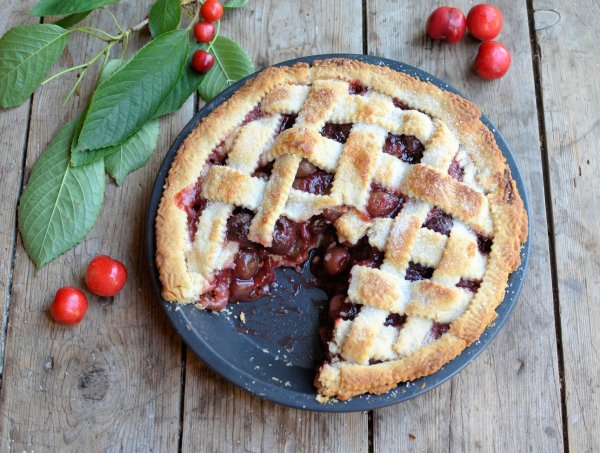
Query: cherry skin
[(336, 259), (492, 60), (485, 21), (202, 61), (446, 24), (204, 31), (211, 10), (69, 306), (105, 276)]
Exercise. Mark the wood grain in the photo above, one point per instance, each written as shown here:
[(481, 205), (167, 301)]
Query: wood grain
[(217, 415), (113, 382), (569, 61), (507, 399), (13, 124)]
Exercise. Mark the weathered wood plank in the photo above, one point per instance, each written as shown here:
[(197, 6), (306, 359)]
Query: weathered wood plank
[(507, 399), (13, 124), (217, 415), (113, 382), (569, 60)]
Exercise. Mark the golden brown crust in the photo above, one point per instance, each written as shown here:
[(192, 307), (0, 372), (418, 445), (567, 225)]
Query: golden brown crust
[(487, 202)]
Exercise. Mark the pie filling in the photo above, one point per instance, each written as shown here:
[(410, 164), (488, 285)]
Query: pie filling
[(252, 271)]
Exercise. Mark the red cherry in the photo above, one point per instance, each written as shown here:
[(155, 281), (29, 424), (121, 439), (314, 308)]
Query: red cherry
[(105, 276), (69, 306), (202, 61), (485, 21), (492, 60), (204, 31), (447, 24), (211, 10)]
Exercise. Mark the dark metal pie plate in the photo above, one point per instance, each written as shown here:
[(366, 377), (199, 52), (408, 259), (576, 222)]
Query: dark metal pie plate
[(274, 353)]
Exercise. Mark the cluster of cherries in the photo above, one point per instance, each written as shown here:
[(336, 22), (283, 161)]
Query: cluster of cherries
[(104, 276), (484, 22), (205, 30)]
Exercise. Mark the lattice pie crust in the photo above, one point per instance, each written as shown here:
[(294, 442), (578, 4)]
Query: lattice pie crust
[(442, 312)]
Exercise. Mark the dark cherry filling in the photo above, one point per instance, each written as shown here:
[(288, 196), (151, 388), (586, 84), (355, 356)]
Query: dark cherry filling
[(332, 262), (255, 114), (396, 320), (484, 244), (287, 121), (218, 155), (469, 285), (238, 225), (312, 179), (455, 171), (438, 220), (383, 203), (438, 329), (418, 271), (191, 201), (337, 132), (408, 148), (264, 171), (400, 105), (357, 88), (340, 309)]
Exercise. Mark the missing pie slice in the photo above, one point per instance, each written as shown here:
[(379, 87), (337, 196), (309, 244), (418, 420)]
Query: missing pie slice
[(393, 188)]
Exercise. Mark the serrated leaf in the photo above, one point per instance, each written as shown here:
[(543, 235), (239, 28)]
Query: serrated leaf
[(188, 83), (134, 153), (125, 101), (63, 7), (27, 53), (60, 203), (72, 19), (164, 16), (231, 4), (231, 64)]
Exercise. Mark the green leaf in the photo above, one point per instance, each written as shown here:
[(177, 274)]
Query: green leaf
[(188, 83), (63, 7), (27, 53), (231, 4), (125, 101), (134, 153), (231, 64), (72, 19), (80, 157), (164, 16), (60, 203)]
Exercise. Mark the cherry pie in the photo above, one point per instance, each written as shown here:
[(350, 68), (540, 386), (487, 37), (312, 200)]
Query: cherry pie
[(392, 189)]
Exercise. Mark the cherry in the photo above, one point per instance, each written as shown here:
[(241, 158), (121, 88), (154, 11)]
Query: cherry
[(382, 203), (305, 169), (492, 60), (485, 21), (240, 289), (284, 237), (238, 226), (204, 31), (105, 276), (211, 10), (69, 306), (335, 305), (202, 61), (336, 259), (246, 264), (446, 24)]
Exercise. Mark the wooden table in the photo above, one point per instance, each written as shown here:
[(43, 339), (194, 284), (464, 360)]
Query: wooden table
[(123, 381)]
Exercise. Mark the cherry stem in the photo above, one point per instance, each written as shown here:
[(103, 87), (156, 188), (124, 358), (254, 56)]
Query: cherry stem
[(216, 35)]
